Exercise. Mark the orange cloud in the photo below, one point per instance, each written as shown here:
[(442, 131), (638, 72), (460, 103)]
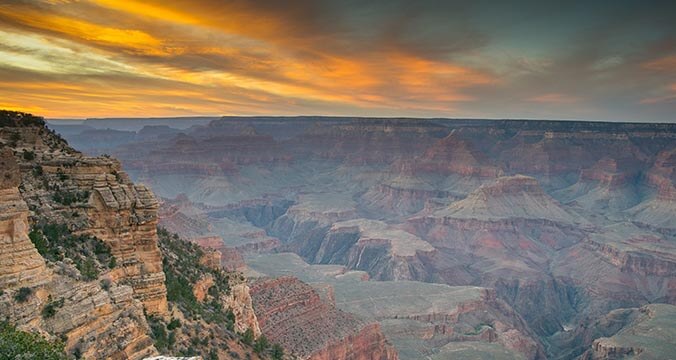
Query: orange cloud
[(131, 40), (554, 98), (667, 63), (185, 56)]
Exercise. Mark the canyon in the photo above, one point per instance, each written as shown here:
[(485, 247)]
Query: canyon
[(428, 238)]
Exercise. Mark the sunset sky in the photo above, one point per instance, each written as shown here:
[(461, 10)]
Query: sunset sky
[(594, 60)]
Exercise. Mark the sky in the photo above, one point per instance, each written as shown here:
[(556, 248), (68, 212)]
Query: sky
[(590, 60)]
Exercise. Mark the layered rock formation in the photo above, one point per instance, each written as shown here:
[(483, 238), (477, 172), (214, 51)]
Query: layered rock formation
[(96, 322), (20, 262), (241, 303), (96, 197), (657, 211), (418, 318), (385, 252), (81, 262), (292, 314), (645, 333)]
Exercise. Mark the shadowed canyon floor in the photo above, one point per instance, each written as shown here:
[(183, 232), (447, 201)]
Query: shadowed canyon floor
[(462, 238)]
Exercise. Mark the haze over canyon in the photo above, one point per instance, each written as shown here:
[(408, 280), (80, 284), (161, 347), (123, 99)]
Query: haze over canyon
[(443, 238)]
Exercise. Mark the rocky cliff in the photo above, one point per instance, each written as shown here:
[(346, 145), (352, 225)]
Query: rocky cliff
[(292, 313), (21, 264), (644, 333), (97, 320), (93, 196), (80, 261)]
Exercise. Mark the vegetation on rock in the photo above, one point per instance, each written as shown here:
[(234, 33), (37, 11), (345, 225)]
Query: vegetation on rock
[(16, 344), (19, 119), (55, 242), (23, 294)]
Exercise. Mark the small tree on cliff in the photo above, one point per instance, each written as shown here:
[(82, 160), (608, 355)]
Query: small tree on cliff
[(248, 336), (277, 352), (261, 344)]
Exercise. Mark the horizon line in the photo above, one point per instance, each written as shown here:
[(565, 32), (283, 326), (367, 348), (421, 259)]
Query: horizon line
[(187, 117)]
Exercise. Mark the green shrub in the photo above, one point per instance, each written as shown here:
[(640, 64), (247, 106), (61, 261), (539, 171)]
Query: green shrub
[(14, 139), (15, 344), (90, 255), (61, 175), (248, 336), (28, 155), (50, 309), (159, 334), (88, 269), (68, 197), (261, 344), (174, 324), (277, 352), (40, 242), (23, 294), (213, 355), (105, 284)]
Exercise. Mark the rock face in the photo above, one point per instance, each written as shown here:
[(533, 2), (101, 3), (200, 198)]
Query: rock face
[(291, 313), (645, 333), (85, 307), (113, 209), (385, 252), (125, 216), (63, 216), (97, 323), (455, 155), (241, 304), (417, 318), (20, 262), (92, 196), (511, 197)]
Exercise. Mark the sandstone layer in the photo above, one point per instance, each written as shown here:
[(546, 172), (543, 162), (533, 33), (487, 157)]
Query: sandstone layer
[(292, 314)]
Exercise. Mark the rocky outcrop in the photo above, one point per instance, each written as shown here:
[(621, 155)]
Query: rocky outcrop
[(91, 272), (455, 155), (292, 314), (108, 206), (608, 349), (368, 344), (637, 262), (125, 216), (97, 322), (201, 287), (385, 252), (241, 303), (657, 211), (647, 333), (93, 196), (20, 263), (229, 258)]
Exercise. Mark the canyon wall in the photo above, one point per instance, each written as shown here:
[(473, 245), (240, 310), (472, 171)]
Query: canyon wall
[(81, 262), (292, 313)]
